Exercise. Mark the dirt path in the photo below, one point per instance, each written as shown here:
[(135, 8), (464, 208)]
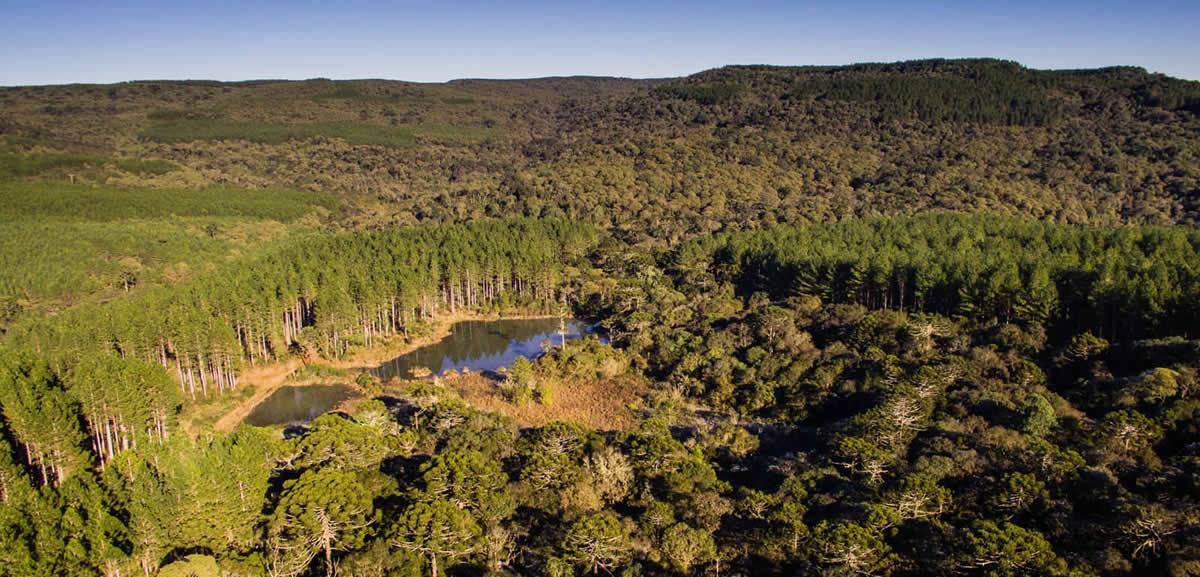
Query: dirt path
[(269, 378)]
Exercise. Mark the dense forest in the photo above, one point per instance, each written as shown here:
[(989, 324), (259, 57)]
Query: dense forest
[(942, 394), (210, 171), (922, 318)]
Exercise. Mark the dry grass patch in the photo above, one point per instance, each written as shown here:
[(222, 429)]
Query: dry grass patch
[(601, 404)]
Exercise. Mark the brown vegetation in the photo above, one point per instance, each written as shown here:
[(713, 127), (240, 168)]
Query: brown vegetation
[(600, 404)]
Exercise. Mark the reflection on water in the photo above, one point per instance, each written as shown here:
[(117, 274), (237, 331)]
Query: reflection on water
[(477, 345), (483, 346), (297, 404)]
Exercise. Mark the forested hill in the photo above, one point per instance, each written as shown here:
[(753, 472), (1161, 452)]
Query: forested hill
[(730, 148), (1013, 392)]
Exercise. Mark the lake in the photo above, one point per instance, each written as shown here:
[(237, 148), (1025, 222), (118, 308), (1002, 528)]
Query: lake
[(474, 345), (483, 346), (297, 404)]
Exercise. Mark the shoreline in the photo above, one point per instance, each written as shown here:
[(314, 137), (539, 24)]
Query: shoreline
[(266, 379), (442, 326)]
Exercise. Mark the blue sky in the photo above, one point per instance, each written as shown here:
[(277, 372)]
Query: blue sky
[(50, 42)]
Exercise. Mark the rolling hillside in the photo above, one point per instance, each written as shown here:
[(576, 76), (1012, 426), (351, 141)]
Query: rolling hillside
[(724, 149)]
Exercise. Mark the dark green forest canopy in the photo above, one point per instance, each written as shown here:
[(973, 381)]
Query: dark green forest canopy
[(981, 91), (1119, 283)]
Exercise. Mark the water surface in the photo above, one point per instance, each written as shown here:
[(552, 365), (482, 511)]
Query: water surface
[(484, 346), (297, 404)]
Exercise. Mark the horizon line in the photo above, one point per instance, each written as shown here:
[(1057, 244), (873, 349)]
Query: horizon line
[(599, 76)]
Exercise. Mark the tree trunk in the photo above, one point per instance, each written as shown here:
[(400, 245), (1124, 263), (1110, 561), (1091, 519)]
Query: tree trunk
[(328, 560)]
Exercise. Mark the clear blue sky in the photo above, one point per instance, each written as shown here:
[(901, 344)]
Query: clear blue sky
[(49, 41)]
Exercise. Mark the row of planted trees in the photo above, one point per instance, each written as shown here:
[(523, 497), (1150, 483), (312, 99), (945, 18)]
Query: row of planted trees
[(63, 422), (323, 295), (1124, 282), (99, 380)]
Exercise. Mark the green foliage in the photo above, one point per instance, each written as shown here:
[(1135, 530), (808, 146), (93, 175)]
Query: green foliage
[(365, 379), (13, 165), (187, 129), (192, 566), (73, 242), (598, 543), (1037, 416), (190, 128), (850, 549), (1127, 282), (36, 200), (917, 497), (686, 548), (324, 511), (544, 392), (1021, 493), (469, 480), (707, 93), (552, 457), (1160, 92), (214, 491), (520, 383), (862, 457), (557, 567), (317, 371), (438, 531), (1006, 550), (19, 165), (979, 91), (75, 260), (661, 160), (338, 443), (1127, 432), (42, 417), (1157, 385), (521, 371), (238, 312)]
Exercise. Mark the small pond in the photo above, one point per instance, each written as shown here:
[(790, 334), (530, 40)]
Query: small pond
[(475, 345), (484, 346), (297, 404)]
